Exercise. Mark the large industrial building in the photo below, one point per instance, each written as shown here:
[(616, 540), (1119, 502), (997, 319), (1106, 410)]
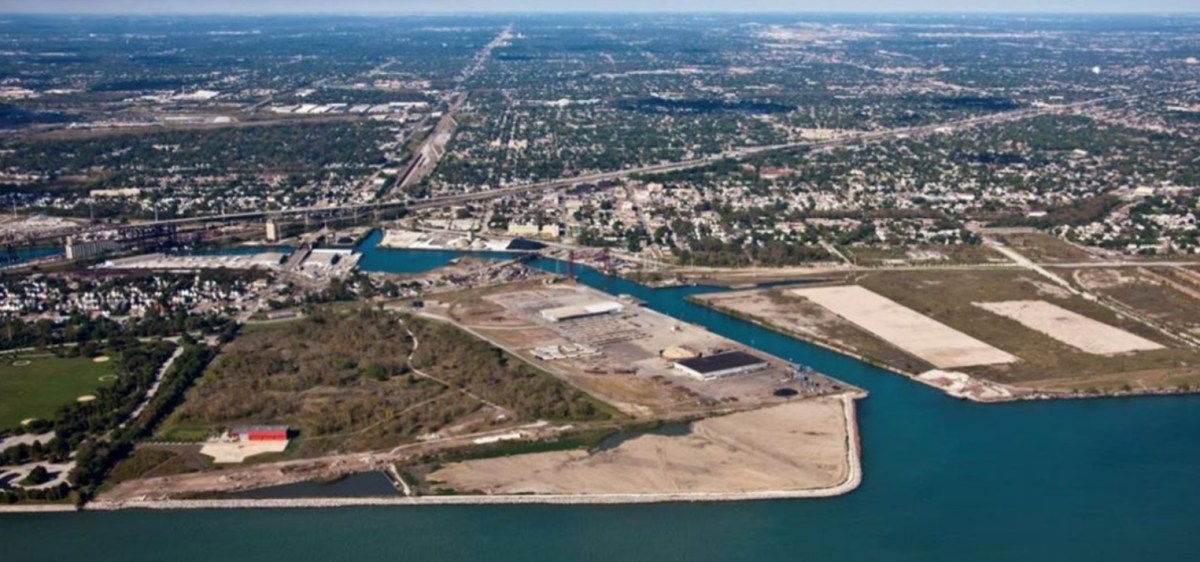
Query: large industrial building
[(720, 365), (594, 308)]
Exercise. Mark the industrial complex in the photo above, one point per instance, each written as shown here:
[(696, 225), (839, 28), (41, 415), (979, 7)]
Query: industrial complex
[(720, 365), (635, 358), (573, 312)]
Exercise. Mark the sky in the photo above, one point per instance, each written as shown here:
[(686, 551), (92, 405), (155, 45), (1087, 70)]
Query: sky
[(359, 6)]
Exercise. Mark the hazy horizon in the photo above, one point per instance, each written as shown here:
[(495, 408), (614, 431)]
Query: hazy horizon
[(350, 7)]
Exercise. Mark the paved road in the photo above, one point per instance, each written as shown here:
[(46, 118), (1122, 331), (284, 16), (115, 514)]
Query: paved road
[(162, 371), (1117, 308), (427, 156), (737, 154)]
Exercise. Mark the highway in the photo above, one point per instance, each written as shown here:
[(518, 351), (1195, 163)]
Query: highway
[(736, 154), (427, 156)]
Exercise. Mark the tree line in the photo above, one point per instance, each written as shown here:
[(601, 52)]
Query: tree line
[(93, 429), (97, 456)]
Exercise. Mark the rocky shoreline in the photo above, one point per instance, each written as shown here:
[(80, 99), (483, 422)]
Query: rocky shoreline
[(37, 508)]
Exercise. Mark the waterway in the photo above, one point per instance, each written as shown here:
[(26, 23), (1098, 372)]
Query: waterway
[(19, 256), (673, 429), (411, 261), (249, 250), (1097, 480)]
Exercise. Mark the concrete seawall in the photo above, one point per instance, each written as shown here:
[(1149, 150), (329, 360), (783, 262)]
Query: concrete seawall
[(37, 508)]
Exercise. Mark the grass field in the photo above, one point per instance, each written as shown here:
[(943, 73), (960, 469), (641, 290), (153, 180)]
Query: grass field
[(269, 325), (1044, 248), (149, 463), (1172, 301), (36, 390), (185, 434), (923, 255)]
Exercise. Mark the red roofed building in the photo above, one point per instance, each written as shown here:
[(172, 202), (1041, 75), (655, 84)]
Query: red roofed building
[(260, 433)]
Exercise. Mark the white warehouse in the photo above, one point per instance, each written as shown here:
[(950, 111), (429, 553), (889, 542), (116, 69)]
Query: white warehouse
[(594, 308)]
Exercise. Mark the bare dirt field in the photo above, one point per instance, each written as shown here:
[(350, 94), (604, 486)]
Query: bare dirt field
[(796, 446), (778, 309), (1073, 329), (236, 452), (915, 333)]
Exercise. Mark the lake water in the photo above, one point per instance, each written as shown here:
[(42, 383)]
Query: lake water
[(1097, 480)]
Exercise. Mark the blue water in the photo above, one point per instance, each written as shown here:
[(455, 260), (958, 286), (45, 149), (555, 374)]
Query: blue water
[(22, 255), (1097, 480), (235, 250), (410, 261)]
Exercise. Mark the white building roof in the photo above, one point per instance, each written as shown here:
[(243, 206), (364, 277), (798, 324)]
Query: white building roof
[(586, 309)]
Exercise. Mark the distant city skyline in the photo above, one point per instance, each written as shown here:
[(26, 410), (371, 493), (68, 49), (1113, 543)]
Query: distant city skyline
[(450, 6)]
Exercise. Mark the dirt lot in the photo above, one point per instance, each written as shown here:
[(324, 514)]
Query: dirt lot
[(778, 309), (1073, 329), (801, 445), (919, 335), (237, 452)]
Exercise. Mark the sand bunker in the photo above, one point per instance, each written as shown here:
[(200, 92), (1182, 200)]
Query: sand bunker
[(100, 359), (86, 398), (915, 333), (22, 363), (1073, 329), (28, 421), (796, 446)]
